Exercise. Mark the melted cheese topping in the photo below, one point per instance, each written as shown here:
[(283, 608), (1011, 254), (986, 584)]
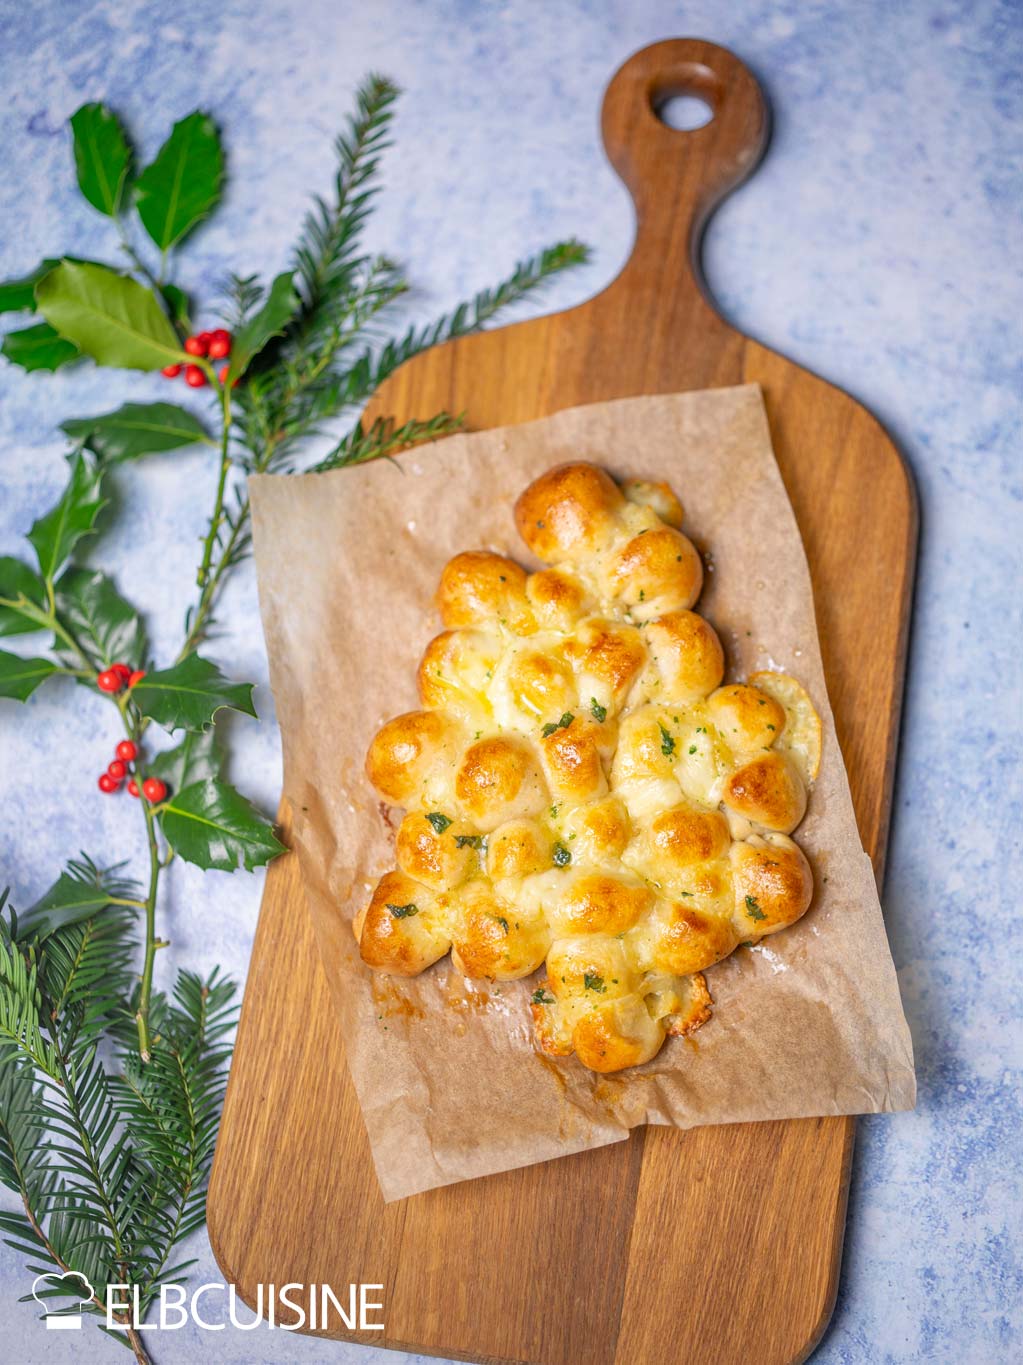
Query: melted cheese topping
[(581, 789)]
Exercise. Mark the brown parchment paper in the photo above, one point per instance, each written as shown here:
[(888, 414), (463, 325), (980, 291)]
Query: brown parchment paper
[(450, 1083)]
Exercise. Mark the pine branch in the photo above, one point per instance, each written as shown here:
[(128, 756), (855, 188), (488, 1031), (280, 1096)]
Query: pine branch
[(326, 250), (362, 380), (170, 1106), (88, 975), (20, 1007), (384, 439)]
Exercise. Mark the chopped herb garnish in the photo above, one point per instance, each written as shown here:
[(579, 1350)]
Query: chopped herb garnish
[(593, 982), (540, 997), (599, 712), (685, 893), (468, 841), (642, 594), (554, 812), (562, 724), (502, 922), (404, 911), (770, 727), (753, 909), (692, 748), (438, 821), (561, 856), (667, 743)]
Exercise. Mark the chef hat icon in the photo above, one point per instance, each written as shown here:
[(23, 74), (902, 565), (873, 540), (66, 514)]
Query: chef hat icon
[(71, 1284)]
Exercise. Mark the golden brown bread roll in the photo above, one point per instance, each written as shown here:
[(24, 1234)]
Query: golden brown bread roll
[(403, 930), (581, 789)]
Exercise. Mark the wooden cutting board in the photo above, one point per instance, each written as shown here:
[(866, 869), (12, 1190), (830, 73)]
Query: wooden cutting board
[(718, 1245)]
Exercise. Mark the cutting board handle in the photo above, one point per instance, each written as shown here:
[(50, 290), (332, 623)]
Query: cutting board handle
[(677, 178)]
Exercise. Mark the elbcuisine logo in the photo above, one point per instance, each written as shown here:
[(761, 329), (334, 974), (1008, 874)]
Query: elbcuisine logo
[(287, 1307)]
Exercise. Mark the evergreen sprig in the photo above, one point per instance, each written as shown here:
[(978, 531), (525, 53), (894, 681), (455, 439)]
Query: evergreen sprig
[(110, 1091), (110, 1164)]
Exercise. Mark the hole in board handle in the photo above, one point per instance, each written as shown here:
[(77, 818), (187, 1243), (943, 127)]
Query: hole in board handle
[(683, 112)]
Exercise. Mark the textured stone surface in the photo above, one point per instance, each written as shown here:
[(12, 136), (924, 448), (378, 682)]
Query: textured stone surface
[(875, 245)]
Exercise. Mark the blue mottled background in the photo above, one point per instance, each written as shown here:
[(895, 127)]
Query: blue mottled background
[(878, 244)]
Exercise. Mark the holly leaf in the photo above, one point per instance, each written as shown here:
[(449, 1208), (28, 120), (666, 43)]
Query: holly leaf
[(56, 534), (279, 308), (18, 583), (181, 186), (194, 759), (17, 296), (188, 696), (137, 429), (20, 677), (38, 348), (102, 156), (78, 893), (109, 317), (108, 628), (213, 826), (177, 301)]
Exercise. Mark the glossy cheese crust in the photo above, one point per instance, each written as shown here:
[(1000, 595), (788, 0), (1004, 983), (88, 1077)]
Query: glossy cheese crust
[(583, 793)]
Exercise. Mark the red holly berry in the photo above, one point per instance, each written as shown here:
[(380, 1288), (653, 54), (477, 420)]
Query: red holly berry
[(117, 769), (194, 377), (133, 787), (109, 681), (127, 751), (197, 345), (122, 671), (220, 344), (107, 783), (171, 371), (154, 790), (137, 676)]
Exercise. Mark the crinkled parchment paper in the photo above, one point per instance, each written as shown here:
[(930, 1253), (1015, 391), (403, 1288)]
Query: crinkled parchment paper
[(451, 1086)]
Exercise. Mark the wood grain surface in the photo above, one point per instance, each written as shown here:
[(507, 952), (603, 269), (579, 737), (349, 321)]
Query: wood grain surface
[(722, 1244)]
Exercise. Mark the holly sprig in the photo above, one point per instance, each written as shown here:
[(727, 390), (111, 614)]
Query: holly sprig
[(109, 1158)]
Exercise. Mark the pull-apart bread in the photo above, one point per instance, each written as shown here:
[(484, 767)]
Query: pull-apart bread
[(583, 793)]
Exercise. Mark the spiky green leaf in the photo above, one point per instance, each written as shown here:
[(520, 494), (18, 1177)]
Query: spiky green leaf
[(271, 319), (182, 184), (58, 531), (136, 429), (102, 156), (188, 695), (20, 677), (108, 628), (213, 826), (18, 295), (109, 317), (81, 890), (40, 347), (22, 598), (195, 758)]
